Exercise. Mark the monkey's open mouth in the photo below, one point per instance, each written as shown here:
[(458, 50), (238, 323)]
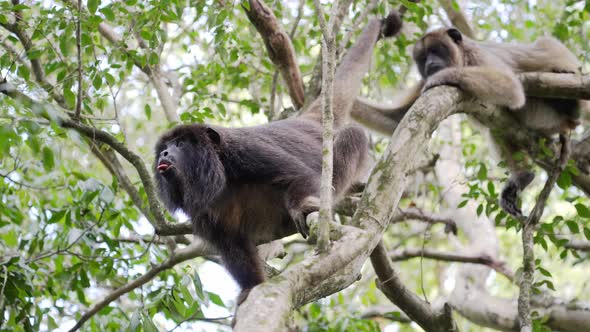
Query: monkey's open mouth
[(164, 165)]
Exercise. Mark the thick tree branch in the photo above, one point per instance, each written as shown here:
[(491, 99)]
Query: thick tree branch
[(572, 86), (418, 310), (578, 245), (279, 47)]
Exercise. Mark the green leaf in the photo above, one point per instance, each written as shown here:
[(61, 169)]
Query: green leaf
[(97, 82), (564, 180), (544, 272), (482, 174), (93, 5), (198, 285), (10, 238), (48, 160), (573, 226), (491, 189), (147, 323), (583, 210), (215, 299), (108, 13), (70, 97), (587, 233), (462, 204)]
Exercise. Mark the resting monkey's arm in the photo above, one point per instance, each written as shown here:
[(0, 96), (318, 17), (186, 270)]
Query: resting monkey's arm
[(488, 84)]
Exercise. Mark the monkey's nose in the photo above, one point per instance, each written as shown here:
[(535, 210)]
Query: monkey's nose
[(164, 153)]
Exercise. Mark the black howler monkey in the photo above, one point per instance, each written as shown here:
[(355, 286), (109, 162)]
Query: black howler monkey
[(245, 186)]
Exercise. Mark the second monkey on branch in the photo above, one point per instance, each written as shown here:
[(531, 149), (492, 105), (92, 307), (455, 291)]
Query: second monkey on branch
[(487, 72)]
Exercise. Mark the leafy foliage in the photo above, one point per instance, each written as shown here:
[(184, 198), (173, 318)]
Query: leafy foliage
[(70, 232)]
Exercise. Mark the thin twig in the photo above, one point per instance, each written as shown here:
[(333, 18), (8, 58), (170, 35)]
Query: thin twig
[(528, 230), (79, 49)]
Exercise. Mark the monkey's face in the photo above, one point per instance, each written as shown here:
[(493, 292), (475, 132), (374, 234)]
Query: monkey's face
[(437, 50), (177, 151), (169, 156)]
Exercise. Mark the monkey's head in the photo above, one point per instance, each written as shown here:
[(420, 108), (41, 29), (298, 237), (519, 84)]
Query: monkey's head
[(439, 49), (188, 169)]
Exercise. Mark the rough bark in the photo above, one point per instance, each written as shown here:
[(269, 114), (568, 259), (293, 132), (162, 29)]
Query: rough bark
[(279, 47)]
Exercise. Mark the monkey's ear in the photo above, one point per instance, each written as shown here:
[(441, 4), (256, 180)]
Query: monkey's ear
[(455, 35), (213, 135)]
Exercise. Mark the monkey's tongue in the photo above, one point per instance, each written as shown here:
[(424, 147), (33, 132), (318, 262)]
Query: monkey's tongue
[(163, 166)]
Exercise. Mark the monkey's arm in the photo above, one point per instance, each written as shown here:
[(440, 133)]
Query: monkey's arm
[(497, 86)]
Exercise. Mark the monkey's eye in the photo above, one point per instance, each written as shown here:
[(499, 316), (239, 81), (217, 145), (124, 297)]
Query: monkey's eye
[(179, 144), (455, 35)]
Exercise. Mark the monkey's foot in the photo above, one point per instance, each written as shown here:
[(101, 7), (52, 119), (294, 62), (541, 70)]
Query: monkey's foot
[(243, 295), (299, 215), (391, 25), (524, 179), (509, 199), (300, 223), (563, 71)]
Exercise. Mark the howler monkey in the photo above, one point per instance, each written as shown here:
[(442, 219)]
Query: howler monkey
[(487, 71), (245, 186)]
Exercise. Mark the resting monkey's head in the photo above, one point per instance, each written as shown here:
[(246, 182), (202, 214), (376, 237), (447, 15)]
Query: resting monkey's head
[(437, 50)]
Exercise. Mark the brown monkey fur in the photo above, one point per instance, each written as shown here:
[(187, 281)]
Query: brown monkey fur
[(245, 186), (487, 71)]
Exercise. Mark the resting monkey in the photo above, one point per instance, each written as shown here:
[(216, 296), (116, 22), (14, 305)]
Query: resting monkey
[(487, 71), (245, 186)]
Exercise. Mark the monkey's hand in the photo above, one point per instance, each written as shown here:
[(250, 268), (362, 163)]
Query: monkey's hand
[(448, 76), (392, 24), (509, 196)]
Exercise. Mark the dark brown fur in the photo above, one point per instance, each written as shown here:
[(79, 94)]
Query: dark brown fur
[(487, 71), (245, 186)]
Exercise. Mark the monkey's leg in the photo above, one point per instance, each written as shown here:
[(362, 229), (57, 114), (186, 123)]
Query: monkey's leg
[(350, 155), (496, 86), (240, 258), (521, 176)]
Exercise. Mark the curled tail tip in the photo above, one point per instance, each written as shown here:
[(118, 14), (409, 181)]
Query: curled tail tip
[(392, 24)]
